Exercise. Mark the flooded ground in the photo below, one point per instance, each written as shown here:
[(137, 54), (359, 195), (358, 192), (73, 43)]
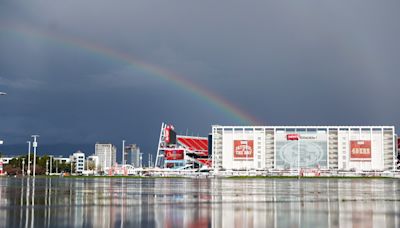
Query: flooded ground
[(128, 202)]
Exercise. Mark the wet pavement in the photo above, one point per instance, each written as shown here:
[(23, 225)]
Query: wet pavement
[(130, 202)]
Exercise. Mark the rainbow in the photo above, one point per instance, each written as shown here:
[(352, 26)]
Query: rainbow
[(174, 79)]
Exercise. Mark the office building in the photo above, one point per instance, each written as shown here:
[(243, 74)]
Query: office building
[(107, 155)]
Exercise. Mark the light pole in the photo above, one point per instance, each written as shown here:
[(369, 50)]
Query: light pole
[(29, 158), (123, 152), (23, 166), (298, 157), (150, 161), (34, 153)]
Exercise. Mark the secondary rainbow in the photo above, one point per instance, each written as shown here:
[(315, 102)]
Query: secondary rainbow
[(161, 73)]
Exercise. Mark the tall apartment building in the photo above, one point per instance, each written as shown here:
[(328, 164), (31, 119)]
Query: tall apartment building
[(132, 155), (107, 154)]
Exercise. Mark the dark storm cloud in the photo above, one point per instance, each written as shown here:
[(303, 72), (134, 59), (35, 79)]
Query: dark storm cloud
[(300, 62)]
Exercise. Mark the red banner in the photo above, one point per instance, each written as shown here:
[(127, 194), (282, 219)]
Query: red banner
[(167, 134), (360, 150), (174, 154), (243, 149), (292, 136)]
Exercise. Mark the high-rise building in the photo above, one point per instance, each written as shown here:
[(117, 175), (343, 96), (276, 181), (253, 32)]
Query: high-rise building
[(132, 155), (107, 154)]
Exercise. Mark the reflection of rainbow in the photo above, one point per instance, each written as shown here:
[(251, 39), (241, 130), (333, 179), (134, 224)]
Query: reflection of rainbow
[(158, 72)]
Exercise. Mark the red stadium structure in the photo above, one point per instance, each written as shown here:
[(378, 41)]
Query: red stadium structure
[(181, 151)]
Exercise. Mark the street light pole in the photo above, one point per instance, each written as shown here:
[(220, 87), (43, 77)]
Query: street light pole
[(298, 157), (23, 166), (123, 152), (29, 158), (34, 153)]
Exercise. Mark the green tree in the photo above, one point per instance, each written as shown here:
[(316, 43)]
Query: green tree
[(90, 165)]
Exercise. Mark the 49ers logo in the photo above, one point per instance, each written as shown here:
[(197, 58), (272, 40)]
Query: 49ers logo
[(243, 149), (360, 150)]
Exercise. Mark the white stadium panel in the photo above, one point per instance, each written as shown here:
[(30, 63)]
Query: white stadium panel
[(351, 148)]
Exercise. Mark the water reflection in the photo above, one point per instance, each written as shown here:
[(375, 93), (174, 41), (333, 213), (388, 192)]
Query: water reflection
[(62, 202)]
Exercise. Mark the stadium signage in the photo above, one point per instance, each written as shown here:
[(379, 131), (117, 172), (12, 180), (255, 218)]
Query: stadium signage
[(360, 150), (243, 149), (168, 134), (298, 137), (308, 137), (292, 136), (174, 154)]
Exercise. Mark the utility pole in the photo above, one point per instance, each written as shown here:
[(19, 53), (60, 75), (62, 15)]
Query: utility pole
[(29, 158), (34, 153), (123, 152)]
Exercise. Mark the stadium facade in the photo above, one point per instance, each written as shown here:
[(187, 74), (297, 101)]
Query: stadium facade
[(181, 151), (342, 148)]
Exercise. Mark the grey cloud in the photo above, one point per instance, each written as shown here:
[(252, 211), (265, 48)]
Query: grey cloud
[(285, 62), (25, 83)]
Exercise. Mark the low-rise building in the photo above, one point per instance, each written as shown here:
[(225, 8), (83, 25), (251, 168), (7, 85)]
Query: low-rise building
[(93, 159), (6, 160), (79, 159), (62, 160)]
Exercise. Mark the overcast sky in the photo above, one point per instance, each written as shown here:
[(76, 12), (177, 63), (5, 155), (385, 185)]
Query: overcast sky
[(284, 62)]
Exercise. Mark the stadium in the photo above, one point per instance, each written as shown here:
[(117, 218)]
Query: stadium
[(281, 149), (347, 148), (181, 152)]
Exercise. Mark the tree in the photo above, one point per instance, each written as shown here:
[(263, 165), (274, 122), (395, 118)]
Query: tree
[(90, 165)]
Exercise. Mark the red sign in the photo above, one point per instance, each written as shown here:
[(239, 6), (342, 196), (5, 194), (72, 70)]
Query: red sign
[(360, 150), (243, 149), (1, 167), (292, 136), (174, 154), (167, 137)]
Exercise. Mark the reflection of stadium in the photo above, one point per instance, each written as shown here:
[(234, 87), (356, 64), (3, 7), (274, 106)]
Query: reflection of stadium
[(363, 148)]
